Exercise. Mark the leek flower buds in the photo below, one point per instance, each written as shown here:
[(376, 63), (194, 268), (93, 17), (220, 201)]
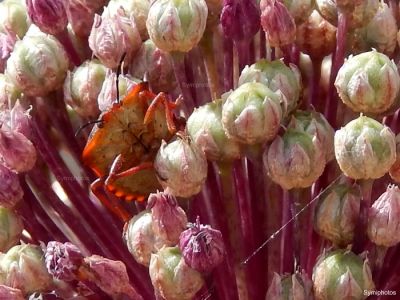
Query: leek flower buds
[(368, 82), (177, 25), (383, 222), (294, 160), (277, 77), (342, 275), (14, 17), (205, 128), (112, 36), (337, 213), (296, 286), (181, 166), (252, 113), (23, 267), (172, 278), (82, 88), (202, 247), (38, 65), (365, 149), (10, 189), (11, 227), (169, 220)]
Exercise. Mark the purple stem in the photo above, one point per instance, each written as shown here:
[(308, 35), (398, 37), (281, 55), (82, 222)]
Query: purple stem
[(243, 50), (287, 241), (316, 77), (338, 59), (228, 64), (252, 52), (65, 40), (273, 53), (263, 45)]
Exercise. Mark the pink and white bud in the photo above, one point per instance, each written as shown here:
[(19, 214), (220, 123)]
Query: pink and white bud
[(10, 293), (80, 16), (20, 120), (9, 93), (7, 42), (14, 17), (394, 171), (10, 189), (11, 228), (49, 15)]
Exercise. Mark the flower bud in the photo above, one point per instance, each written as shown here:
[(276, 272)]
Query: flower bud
[(252, 113), (38, 65), (384, 222), (7, 42), (8, 93), (139, 237), (109, 275), (20, 120), (394, 171), (205, 128), (172, 278), (337, 213), (49, 15), (10, 293), (316, 37), (240, 20), (108, 92), (214, 12), (11, 227), (82, 88), (278, 23), (365, 149), (315, 124), (299, 9), (10, 189), (62, 260), (154, 66), (138, 9), (112, 36), (16, 151), (181, 166), (277, 77), (80, 16), (23, 267), (202, 247), (296, 286), (14, 17), (169, 220), (342, 275), (294, 160), (368, 82), (176, 25)]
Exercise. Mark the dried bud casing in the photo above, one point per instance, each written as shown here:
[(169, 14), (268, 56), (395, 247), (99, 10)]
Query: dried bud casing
[(365, 149), (368, 82), (177, 25), (384, 221), (11, 227), (10, 189), (181, 166), (49, 15), (294, 160)]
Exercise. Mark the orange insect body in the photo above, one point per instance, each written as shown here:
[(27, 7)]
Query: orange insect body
[(122, 147)]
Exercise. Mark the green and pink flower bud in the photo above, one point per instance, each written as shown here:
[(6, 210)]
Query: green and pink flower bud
[(299, 9), (7, 42), (296, 286), (171, 277), (277, 23), (82, 88), (202, 247), (9, 93), (112, 36), (177, 25), (181, 167), (252, 113), (394, 170), (20, 120), (342, 275), (337, 213), (10, 189), (23, 267), (14, 17), (49, 15), (205, 128), (38, 65), (63, 260), (11, 228), (368, 82), (383, 221), (10, 293), (277, 77), (169, 219), (295, 160), (80, 16), (365, 149)]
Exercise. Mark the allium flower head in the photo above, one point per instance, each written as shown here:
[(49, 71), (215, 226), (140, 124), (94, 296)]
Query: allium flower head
[(383, 222), (11, 227), (296, 286), (14, 17), (177, 25), (202, 247), (365, 149), (10, 188)]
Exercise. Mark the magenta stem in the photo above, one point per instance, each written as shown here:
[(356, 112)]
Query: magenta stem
[(316, 77), (228, 64), (243, 51), (263, 45), (65, 40), (287, 240)]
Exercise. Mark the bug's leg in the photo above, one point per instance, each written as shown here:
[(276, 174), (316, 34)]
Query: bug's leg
[(169, 106), (111, 204), (115, 168)]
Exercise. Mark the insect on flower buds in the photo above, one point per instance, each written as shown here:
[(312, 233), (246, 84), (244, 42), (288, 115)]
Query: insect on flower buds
[(181, 166), (177, 25), (10, 189), (296, 286), (365, 149), (172, 278), (11, 227), (368, 82), (383, 222)]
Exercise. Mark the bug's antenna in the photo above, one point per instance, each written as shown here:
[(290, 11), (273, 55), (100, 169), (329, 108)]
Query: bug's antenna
[(119, 69), (86, 125)]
